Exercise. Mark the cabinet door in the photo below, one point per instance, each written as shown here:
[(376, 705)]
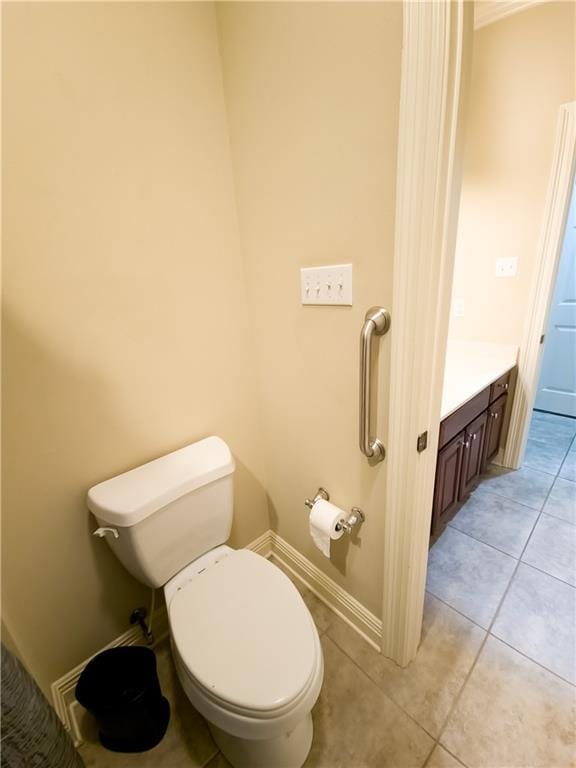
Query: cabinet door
[(447, 489), (494, 427), (473, 461)]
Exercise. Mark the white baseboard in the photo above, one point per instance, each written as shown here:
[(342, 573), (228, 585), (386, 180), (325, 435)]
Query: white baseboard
[(263, 544), (269, 544), (331, 594)]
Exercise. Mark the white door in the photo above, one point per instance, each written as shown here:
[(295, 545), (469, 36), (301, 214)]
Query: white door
[(557, 386)]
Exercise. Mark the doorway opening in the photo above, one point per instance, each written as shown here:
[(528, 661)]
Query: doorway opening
[(556, 392), (503, 551)]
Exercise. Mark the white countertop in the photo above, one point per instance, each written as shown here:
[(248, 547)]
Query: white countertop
[(470, 368)]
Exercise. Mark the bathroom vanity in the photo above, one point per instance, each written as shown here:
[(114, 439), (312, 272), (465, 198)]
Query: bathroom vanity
[(478, 386)]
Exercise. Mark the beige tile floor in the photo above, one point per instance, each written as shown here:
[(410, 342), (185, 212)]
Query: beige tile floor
[(508, 713), (468, 699)]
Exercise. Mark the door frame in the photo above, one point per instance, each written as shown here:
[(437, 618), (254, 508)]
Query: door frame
[(436, 58), (436, 62), (543, 283)]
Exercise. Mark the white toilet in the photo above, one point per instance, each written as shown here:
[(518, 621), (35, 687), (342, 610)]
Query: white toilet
[(244, 644)]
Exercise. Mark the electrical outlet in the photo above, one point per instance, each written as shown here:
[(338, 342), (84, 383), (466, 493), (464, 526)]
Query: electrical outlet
[(326, 285), (458, 308), (506, 267)]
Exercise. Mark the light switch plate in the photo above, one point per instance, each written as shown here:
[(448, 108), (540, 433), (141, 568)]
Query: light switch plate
[(326, 285), (506, 267), (458, 308)]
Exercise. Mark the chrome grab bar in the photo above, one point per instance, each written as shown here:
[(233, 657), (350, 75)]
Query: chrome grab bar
[(376, 323)]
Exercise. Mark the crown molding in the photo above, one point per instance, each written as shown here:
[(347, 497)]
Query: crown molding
[(489, 11)]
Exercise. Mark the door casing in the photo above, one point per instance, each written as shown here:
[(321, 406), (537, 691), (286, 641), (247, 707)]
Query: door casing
[(436, 60)]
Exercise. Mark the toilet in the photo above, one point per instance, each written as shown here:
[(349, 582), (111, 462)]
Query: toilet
[(244, 644)]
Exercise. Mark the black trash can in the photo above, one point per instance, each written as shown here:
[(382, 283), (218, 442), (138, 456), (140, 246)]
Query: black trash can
[(120, 688)]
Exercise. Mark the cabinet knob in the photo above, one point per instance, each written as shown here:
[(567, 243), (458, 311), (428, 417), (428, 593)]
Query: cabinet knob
[(474, 436)]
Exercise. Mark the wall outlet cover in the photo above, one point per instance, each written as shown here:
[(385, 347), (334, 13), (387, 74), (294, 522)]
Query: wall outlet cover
[(507, 267)]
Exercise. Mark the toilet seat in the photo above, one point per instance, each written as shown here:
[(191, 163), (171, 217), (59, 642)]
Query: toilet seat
[(244, 638), (262, 716), (246, 726)]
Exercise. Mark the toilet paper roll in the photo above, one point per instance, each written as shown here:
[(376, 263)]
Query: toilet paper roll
[(323, 520)]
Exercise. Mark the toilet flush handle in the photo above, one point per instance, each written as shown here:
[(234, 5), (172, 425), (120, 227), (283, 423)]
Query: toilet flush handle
[(101, 532)]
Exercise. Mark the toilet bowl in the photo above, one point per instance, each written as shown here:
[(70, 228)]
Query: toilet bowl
[(248, 656), (245, 647)]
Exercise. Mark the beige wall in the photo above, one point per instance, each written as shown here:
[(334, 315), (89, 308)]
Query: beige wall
[(313, 95), (523, 69), (125, 326)]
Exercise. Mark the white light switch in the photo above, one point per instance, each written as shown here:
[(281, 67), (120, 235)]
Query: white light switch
[(506, 267), (326, 285), (458, 308)]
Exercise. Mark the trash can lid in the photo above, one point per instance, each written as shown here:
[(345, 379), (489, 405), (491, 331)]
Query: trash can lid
[(117, 676)]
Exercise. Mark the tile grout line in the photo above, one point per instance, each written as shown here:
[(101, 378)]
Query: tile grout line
[(507, 498), (550, 575), (375, 684), (499, 606), (550, 671), (502, 552), (522, 562), (556, 476), (492, 546), (539, 514), (457, 611), (326, 633), (436, 746), (562, 519), (210, 759), (435, 739), (475, 623), (539, 469)]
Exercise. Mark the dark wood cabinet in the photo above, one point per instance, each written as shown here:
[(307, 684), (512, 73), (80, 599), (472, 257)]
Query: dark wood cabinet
[(448, 477), (460, 419), (468, 439), (494, 428), (473, 458), (500, 387)]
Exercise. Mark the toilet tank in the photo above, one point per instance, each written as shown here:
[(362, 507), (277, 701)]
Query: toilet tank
[(168, 512)]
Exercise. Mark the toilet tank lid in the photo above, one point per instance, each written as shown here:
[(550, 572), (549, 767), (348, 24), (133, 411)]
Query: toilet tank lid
[(129, 498)]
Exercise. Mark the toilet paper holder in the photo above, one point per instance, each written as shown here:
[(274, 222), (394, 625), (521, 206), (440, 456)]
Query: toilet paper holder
[(355, 517)]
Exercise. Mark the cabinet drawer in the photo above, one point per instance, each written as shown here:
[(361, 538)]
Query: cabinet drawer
[(460, 419), (500, 387)]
